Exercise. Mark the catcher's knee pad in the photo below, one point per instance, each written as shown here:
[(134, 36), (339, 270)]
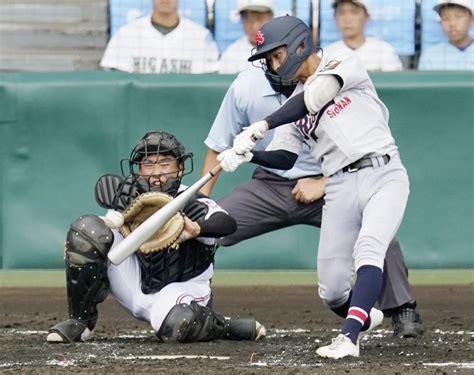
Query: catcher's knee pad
[(88, 242), (191, 323)]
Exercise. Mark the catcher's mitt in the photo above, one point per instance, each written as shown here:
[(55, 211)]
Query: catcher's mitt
[(141, 209)]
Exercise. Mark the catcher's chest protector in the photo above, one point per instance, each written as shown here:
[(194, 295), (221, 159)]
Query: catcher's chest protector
[(190, 259)]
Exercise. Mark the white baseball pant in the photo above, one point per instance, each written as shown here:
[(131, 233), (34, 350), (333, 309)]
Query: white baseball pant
[(125, 285)]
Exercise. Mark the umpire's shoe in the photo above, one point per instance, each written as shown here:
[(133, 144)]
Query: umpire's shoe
[(406, 321)]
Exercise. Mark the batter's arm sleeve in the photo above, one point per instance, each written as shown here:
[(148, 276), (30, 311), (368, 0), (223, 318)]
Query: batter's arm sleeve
[(315, 95), (277, 159), (293, 110), (287, 138)]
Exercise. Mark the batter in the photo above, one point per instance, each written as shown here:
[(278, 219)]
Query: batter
[(346, 126)]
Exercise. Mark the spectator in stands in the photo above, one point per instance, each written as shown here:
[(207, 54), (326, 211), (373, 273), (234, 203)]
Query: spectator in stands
[(253, 15), (162, 42), (458, 52), (375, 54)]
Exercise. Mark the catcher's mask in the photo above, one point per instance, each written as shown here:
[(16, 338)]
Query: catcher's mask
[(286, 31), (150, 147)]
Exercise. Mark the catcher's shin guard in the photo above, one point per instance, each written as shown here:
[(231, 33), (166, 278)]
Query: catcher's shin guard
[(88, 242), (243, 329), (192, 323)]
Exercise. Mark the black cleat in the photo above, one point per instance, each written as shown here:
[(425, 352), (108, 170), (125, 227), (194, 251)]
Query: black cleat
[(407, 323)]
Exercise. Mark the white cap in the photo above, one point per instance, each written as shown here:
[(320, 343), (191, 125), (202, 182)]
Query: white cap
[(462, 3), (260, 6), (361, 3)]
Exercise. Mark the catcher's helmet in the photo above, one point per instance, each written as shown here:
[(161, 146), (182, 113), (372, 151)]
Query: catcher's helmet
[(286, 31), (158, 143)]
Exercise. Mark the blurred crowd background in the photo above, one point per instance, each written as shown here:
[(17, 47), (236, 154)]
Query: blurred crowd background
[(69, 35)]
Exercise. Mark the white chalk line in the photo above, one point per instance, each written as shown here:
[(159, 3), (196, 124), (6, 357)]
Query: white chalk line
[(461, 365), (297, 330), (177, 356), (146, 333), (275, 333)]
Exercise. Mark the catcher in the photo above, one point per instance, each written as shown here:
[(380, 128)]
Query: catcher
[(167, 281)]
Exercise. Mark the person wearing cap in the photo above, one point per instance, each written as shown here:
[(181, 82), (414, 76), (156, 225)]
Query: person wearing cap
[(376, 55), (458, 52), (253, 14)]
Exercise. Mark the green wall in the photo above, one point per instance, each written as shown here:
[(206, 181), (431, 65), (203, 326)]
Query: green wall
[(60, 132)]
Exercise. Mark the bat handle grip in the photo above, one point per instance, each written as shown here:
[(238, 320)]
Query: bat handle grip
[(215, 170)]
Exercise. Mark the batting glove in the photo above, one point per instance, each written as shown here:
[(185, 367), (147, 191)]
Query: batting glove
[(245, 141), (230, 161)]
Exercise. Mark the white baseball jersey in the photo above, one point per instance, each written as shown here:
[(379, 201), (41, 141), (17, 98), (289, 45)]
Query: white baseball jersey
[(375, 54), (353, 125), (138, 47), (234, 58)]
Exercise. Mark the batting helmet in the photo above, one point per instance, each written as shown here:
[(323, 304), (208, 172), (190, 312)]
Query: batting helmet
[(286, 31), (159, 143)]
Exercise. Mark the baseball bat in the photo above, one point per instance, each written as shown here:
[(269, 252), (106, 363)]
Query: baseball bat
[(145, 230)]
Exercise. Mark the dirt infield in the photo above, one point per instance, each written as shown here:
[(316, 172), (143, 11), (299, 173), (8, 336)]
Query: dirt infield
[(297, 323)]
